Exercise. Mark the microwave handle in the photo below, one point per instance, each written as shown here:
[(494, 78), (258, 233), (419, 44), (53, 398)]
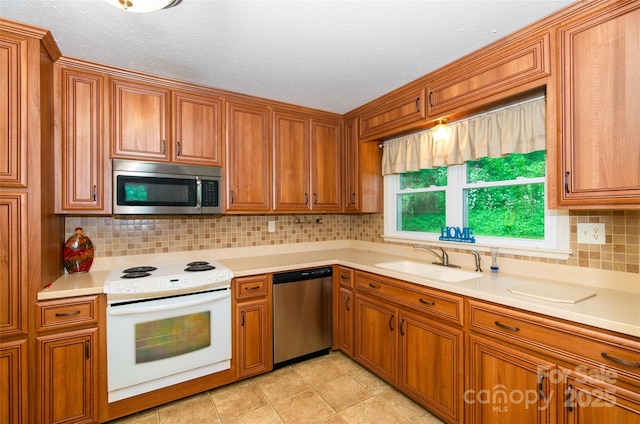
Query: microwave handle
[(198, 193)]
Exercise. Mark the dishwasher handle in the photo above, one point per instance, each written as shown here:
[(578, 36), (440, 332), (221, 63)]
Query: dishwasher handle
[(302, 275)]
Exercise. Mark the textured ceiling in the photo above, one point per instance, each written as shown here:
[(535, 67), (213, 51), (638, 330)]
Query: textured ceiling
[(329, 55)]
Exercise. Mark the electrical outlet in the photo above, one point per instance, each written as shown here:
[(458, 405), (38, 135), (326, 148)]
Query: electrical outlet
[(271, 226), (591, 233)]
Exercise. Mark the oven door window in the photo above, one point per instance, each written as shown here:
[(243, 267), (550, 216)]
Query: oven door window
[(155, 191), (171, 337)]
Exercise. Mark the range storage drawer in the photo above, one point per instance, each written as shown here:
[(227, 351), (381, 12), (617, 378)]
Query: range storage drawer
[(62, 313), (432, 302)]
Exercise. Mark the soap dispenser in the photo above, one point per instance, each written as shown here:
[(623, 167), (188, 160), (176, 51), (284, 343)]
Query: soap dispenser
[(494, 260)]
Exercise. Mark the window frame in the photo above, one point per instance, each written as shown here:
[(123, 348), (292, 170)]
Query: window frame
[(554, 246)]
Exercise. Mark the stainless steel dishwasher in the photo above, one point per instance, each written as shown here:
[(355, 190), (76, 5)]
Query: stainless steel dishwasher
[(302, 314)]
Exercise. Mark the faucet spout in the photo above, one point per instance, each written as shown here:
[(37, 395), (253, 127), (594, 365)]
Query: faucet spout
[(477, 256), (444, 257)]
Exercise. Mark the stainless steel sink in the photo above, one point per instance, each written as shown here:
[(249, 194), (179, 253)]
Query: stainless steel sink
[(434, 272)]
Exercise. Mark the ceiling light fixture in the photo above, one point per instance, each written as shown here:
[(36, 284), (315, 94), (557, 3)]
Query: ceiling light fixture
[(440, 132), (143, 6)]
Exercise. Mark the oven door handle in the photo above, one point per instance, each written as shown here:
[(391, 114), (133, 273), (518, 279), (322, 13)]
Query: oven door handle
[(139, 308)]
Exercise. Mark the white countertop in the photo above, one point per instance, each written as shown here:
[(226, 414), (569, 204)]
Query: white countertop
[(615, 306)]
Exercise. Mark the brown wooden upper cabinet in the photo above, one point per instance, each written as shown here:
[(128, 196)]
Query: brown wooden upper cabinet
[(196, 129), (362, 172), (140, 121), (306, 163), (508, 67), (600, 87), (391, 113), (80, 108), (142, 118), (13, 129), (248, 158)]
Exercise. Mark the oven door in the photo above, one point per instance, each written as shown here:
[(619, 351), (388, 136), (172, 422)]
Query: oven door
[(157, 343)]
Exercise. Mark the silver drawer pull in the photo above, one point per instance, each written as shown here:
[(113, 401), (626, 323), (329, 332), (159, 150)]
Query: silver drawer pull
[(67, 314), (373, 286), (426, 302), (620, 361), (507, 327)]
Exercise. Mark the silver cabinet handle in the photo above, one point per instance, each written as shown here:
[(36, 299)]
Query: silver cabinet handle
[(426, 302), (95, 193), (179, 149)]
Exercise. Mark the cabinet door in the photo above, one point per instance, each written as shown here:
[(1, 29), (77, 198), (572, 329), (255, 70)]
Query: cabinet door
[(248, 158), (489, 73), (345, 319), (376, 340), (196, 124), (13, 382), (431, 364), (253, 340), (83, 147), (351, 167), (600, 87), (13, 109), (586, 400), (326, 152), (13, 265), (68, 377), (290, 162), (363, 172), (139, 118), (508, 386), (394, 113)]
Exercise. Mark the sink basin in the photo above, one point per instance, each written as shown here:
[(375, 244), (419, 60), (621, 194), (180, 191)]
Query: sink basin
[(435, 272)]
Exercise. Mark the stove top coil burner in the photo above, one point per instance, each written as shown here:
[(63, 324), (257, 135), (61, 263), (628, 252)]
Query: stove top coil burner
[(197, 263), (199, 267), (137, 269), (137, 274)]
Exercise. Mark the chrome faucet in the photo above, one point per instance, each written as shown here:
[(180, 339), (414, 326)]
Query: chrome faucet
[(477, 255), (444, 258)]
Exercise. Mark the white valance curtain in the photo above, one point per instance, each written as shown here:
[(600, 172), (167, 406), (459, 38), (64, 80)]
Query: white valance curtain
[(519, 128)]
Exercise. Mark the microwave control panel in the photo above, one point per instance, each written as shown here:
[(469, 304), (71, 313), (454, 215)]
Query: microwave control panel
[(209, 193)]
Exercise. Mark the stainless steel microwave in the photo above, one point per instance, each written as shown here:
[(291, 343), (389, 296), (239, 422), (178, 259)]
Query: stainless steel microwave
[(155, 188)]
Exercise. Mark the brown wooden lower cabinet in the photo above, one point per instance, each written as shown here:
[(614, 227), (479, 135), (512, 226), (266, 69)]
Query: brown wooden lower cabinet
[(506, 385), (13, 382), (345, 319), (68, 377), (431, 363), (586, 400), (420, 356), (253, 330)]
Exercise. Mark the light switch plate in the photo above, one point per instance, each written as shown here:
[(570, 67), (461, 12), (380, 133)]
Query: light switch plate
[(591, 233), (271, 226)]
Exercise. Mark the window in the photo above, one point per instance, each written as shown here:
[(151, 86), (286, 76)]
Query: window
[(502, 199)]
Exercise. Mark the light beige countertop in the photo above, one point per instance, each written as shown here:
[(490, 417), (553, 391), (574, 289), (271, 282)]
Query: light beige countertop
[(615, 306)]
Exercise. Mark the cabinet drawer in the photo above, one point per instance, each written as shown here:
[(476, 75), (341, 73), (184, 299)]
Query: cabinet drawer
[(432, 302), (250, 287), (588, 349), (345, 276), (57, 314)]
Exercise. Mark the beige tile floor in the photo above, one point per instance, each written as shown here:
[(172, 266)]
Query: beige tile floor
[(330, 389)]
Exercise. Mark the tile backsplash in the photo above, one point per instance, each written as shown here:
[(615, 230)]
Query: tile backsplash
[(146, 235)]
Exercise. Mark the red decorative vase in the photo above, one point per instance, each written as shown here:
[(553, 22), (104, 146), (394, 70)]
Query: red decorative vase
[(78, 253)]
